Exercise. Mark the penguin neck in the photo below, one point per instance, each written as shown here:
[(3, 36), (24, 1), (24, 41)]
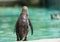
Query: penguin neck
[(24, 12)]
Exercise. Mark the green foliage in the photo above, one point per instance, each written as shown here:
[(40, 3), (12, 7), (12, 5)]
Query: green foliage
[(30, 2)]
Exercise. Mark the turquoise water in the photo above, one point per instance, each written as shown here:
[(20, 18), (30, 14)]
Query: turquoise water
[(43, 26)]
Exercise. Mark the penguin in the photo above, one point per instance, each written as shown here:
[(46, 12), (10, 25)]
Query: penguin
[(22, 25), (55, 17)]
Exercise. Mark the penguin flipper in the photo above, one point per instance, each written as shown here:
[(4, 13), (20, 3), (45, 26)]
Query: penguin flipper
[(31, 27)]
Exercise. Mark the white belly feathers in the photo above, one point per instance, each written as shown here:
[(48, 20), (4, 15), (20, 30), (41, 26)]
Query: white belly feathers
[(25, 19)]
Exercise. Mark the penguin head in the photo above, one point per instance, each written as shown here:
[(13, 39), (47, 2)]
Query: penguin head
[(25, 10)]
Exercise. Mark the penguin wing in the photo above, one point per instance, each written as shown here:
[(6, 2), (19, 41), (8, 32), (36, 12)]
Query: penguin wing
[(31, 27)]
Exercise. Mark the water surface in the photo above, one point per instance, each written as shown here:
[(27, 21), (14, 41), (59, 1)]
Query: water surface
[(43, 26)]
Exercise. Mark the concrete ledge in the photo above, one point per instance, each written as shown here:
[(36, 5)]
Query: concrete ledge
[(43, 40)]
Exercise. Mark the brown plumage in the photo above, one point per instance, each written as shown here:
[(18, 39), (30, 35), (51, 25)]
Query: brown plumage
[(22, 25)]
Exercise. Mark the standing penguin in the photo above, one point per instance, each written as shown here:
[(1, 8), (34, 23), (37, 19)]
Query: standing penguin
[(22, 25)]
